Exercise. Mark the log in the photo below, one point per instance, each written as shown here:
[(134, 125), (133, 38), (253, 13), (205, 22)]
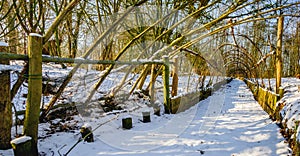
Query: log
[(22, 146)]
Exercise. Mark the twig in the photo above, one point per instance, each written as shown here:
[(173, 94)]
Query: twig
[(80, 139)]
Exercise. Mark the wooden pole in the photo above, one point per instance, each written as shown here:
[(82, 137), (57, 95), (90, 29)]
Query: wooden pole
[(175, 77), (152, 85), (34, 90), (279, 53), (166, 77), (143, 77), (5, 103)]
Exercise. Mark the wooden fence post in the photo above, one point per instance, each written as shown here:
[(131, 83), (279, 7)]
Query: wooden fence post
[(166, 77), (279, 53), (175, 77), (34, 90), (5, 103)]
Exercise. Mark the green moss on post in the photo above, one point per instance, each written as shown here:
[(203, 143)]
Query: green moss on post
[(34, 90)]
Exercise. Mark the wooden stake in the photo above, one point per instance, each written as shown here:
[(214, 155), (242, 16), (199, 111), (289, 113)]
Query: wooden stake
[(166, 77), (279, 53), (152, 85), (34, 90), (175, 78)]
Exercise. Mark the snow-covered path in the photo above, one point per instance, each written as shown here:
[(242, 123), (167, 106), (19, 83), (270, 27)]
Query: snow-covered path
[(240, 128), (230, 122)]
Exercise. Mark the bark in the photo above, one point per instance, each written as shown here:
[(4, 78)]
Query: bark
[(279, 53), (5, 106)]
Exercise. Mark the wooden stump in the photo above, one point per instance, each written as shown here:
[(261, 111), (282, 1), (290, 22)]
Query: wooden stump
[(86, 133), (22, 146), (146, 116), (127, 123)]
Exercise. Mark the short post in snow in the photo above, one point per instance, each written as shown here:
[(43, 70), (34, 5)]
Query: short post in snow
[(32, 112), (127, 122), (22, 146), (166, 77), (146, 116)]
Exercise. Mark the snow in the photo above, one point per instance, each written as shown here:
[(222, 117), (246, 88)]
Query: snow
[(291, 106), (3, 44), (230, 122), (35, 35), (20, 140), (80, 58)]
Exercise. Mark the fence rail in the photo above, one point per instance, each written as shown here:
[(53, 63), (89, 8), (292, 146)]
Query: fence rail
[(10, 56)]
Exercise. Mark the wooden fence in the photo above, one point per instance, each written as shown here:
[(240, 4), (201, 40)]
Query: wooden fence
[(35, 59), (266, 99), (184, 102)]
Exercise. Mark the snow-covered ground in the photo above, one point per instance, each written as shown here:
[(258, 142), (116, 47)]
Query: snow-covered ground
[(290, 104), (83, 80), (230, 122)]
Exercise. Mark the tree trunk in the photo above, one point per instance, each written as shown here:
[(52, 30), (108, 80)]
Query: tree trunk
[(279, 53), (5, 105)]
